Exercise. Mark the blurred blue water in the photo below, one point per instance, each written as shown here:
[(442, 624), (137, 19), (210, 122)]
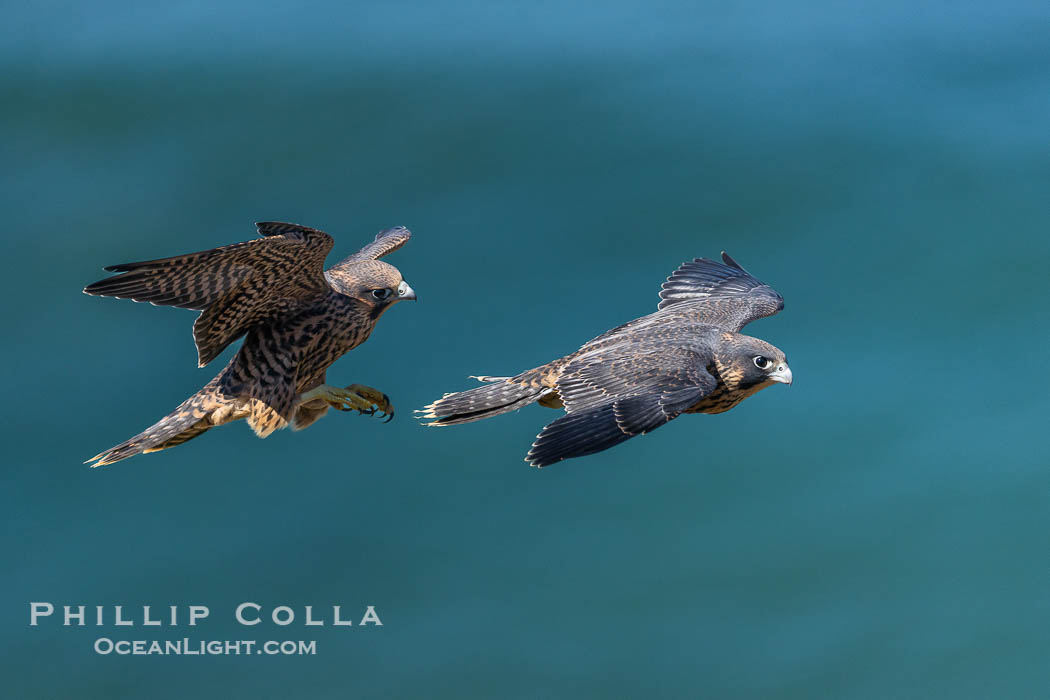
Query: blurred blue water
[(880, 529)]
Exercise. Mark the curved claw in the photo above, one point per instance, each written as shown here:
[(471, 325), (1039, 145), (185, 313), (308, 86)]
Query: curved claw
[(356, 397), (380, 402)]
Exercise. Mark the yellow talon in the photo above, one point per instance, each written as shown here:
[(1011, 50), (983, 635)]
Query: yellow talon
[(355, 397), (374, 397)]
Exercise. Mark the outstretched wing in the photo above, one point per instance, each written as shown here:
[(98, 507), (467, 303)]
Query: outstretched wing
[(386, 242), (612, 399), (236, 286), (728, 294)]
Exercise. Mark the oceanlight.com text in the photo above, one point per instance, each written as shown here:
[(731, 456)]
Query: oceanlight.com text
[(191, 647)]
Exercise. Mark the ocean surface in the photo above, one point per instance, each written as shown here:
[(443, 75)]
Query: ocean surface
[(880, 529)]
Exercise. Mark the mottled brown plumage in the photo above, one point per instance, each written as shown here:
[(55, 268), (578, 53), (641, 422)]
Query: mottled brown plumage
[(687, 357), (296, 318)]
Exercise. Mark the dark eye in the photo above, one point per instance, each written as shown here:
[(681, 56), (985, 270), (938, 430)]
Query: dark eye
[(762, 362), (381, 294)]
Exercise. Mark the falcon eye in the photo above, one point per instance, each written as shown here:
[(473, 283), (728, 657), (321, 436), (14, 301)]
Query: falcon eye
[(381, 294), (762, 362)]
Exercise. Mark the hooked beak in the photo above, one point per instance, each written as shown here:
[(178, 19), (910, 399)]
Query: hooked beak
[(781, 374), (405, 292)]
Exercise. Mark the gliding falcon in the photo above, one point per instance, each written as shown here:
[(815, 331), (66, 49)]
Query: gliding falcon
[(687, 357), (297, 319)]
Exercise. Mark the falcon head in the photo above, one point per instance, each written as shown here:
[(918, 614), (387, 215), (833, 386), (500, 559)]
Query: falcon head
[(746, 363), (377, 284)]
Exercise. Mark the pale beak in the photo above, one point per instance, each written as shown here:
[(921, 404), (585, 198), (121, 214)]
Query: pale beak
[(781, 374), (405, 292)]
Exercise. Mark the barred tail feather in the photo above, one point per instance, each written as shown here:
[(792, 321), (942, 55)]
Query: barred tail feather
[(179, 426), (498, 397)]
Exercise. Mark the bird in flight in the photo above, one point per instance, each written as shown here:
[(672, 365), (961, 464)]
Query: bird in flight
[(687, 357), (296, 318)]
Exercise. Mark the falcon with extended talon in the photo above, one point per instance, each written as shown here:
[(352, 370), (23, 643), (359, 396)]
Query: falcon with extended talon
[(687, 357), (297, 319)]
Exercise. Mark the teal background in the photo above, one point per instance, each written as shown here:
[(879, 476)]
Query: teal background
[(878, 530)]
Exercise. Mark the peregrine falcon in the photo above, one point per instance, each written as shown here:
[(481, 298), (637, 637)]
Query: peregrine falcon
[(687, 357), (296, 318)]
